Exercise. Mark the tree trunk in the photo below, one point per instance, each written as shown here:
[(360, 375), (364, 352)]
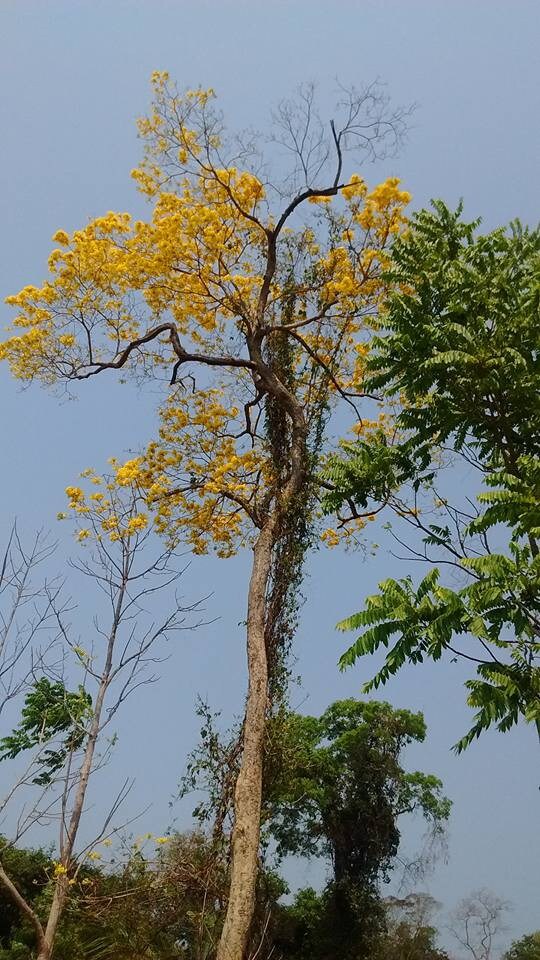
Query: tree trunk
[(248, 792), (27, 911), (55, 913), (62, 889)]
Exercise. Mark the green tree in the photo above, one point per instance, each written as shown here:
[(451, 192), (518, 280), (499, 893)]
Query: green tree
[(526, 948), (407, 942), (49, 710), (161, 904), (338, 792), (165, 901), (334, 788), (458, 357), (31, 870), (410, 934)]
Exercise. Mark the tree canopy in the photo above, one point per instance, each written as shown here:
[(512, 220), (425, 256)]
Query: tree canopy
[(249, 299), (526, 948), (340, 791), (458, 356)]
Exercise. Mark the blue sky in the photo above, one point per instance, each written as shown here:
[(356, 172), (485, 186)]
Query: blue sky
[(74, 76)]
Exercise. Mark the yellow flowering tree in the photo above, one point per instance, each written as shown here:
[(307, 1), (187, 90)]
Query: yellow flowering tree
[(253, 303)]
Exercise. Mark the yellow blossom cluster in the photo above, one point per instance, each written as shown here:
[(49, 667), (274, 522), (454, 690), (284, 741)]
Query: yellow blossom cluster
[(383, 209), (320, 198), (200, 477), (197, 480), (198, 262), (159, 294), (141, 841), (60, 871), (356, 187), (113, 510), (347, 534), (384, 423)]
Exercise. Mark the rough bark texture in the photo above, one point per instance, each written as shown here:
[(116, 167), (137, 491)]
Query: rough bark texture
[(55, 914), (248, 792), (27, 911)]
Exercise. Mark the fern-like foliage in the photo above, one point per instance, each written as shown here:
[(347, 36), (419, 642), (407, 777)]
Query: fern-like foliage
[(51, 715), (459, 352)]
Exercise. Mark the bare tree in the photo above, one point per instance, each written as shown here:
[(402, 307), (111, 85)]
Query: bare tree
[(26, 611), (61, 729), (477, 922)]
